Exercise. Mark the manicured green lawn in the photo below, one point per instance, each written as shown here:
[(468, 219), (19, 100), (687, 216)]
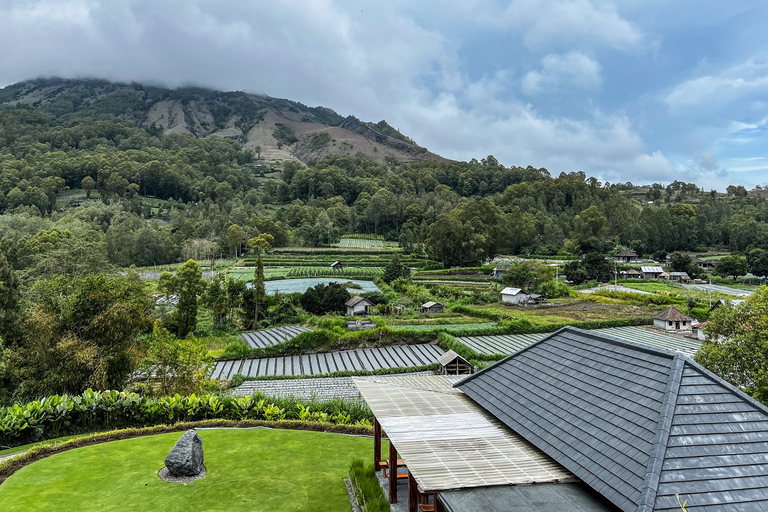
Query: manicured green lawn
[(254, 470)]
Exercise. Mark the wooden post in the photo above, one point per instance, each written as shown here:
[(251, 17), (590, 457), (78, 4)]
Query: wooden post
[(392, 472), (376, 444), (413, 494)]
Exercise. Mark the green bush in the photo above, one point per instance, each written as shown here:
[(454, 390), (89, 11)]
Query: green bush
[(369, 493), (56, 416)]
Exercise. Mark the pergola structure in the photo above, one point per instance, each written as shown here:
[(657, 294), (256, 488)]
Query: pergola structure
[(446, 441)]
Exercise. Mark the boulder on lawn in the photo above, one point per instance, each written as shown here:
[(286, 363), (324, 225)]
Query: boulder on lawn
[(186, 457)]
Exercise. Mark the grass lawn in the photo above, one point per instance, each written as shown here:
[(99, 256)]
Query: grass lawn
[(254, 470)]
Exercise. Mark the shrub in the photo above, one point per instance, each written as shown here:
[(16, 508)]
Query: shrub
[(369, 493)]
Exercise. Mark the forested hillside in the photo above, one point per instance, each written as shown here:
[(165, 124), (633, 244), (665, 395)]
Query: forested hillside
[(273, 129), (141, 197)]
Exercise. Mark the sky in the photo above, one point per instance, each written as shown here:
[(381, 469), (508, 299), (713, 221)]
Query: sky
[(626, 90)]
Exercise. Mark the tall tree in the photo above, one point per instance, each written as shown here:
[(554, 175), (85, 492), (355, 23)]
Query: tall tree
[(88, 185), (235, 236), (260, 244), (181, 365), (736, 345), (11, 313), (188, 285)]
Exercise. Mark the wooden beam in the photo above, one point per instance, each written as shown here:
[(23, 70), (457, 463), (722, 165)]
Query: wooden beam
[(392, 472), (376, 444), (413, 494)]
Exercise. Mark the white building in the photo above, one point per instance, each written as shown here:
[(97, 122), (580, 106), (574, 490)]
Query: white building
[(514, 296)]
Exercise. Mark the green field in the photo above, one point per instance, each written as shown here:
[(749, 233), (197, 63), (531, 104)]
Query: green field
[(359, 273), (360, 243), (443, 327), (249, 469), (246, 274)]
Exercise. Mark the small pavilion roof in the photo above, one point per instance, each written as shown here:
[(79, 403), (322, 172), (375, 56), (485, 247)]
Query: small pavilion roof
[(672, 315), (448, 441)]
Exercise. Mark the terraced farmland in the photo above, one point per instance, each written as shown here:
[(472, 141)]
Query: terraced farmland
[(346, 360), (511, 343), (358, 273), (442, 327), (360, 243), (267, 337)]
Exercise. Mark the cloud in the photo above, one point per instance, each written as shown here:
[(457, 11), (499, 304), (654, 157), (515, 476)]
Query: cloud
[(748, 80), (546, 22), (572, 70)]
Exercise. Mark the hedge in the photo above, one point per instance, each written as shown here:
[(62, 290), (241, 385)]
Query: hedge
[(10, 466), (57, 416)]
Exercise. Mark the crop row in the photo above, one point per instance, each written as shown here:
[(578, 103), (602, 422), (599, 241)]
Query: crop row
[(360, 243), (366, 272), (455, 328)]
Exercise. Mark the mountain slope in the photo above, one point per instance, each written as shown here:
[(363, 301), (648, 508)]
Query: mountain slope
[(276, 129)]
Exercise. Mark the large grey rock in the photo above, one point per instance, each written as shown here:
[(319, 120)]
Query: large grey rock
[(186, 457)]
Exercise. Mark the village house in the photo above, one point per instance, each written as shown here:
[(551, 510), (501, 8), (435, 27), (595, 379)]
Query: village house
[(612, 426), (673, 320), (651, 272), (626, 256), (514, 296), (431, 308), (337, 265), (357, 306)]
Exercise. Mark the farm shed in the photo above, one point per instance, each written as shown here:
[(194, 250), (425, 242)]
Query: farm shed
[(681, 277), (632, 273), (337, 265), (499, 270), (358, 305), (651, 272), (672, 320), (452, 363), (431, 307), (636, 425), (514, 296), (626, 256)]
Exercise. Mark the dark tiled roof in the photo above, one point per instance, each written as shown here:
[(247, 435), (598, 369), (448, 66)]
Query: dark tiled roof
[(627, 253), (565, 497), (672, 314), (636, 424)]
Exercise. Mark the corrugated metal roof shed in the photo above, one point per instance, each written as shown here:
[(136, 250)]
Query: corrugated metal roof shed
[(511, 343), (652, 270), (330, 362), (260, 339), (447, 441), (637, 425)]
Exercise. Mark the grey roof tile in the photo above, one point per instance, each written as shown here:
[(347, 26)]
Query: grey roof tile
[(636, 424)]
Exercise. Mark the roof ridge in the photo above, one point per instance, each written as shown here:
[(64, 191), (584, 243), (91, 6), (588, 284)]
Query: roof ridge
[(661, 438)]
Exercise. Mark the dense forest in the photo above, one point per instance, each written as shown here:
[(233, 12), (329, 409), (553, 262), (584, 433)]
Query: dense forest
[(146, 198)]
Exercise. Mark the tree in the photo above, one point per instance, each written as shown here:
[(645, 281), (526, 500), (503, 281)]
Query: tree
[(181, 365), (324, 299), (260, 244), (521, 274), (82, 333), (597, 267), (758, 262), (575, 272), (11, 312), (736, 345), (732, 265), (683, 263), (235, 236), (88, 185), (188, 284), (395, 269)]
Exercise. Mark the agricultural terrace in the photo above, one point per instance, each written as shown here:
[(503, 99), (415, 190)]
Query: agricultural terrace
[(360, 243), (247, 469), (359, 273)]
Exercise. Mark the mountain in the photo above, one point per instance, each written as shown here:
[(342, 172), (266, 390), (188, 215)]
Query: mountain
[(275, 129)]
